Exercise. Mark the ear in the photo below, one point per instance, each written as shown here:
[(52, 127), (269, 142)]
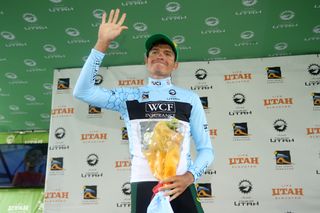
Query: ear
[(176, 65), (145, 60)]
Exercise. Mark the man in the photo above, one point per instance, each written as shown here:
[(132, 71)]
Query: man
[(142, 108)]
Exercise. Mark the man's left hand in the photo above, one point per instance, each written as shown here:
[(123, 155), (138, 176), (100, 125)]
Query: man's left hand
[(177, 185)]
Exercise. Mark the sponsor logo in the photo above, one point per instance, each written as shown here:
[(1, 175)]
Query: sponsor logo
[(239, 99), (240, 129), (238, 77), (283, 160), (204, 190), (126, 188), (173, 9), (63, 83), (124, 133), (246, 187), (160, 107), (134, 3), (145, 95), (287, 192), (122, 164), (316, 99), (56, 164), (56, 197), (94, 110), (133, 82), (201, 74), (92, 160), (60, 133), (62, 111), (274, 72), (278, 102), (90, 192), (244, 161), (313, 132), (281, 126), (204, 102), (94, 137)]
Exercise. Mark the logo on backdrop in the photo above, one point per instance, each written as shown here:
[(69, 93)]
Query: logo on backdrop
[(240, 132), (92, 160), (201, 74), (287, 191), (173, 13), (141, 30), (212, 24), (122, 164), (60, 133), (62, 111), (94, 137), (11, 39), (244, 161), (93, 110), (286, 20), (277, 102), (126, 191), (204, 190), (274, 75), (239, 99), (238, 77), (75, 38), (248, 9), (56, 197), (131, 82), (240, 129), (313, 132), (246, 187), (314, 71), (31, 20), (63, 83), (134, 3), (281, 126), (204, 102), (90, 192), (56, 164), (283, 160), (124, 134), (316, 101), (60, 7), (126, 188)]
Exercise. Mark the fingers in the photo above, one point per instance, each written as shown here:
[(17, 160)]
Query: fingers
[(111, 16), (103, 19), (123, 17), (116, 15)]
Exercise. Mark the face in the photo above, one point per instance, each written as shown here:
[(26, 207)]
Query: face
[(160, 62)]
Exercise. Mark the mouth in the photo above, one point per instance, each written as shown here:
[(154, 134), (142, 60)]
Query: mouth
[(159, 62)]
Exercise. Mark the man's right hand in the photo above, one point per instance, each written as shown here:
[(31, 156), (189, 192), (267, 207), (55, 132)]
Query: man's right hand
[(110, 30)]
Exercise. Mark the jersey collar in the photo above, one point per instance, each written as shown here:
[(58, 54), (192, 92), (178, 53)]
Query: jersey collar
[(165, 82)]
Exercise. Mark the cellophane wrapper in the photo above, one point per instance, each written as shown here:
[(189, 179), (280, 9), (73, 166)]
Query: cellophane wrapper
[(162, 148)]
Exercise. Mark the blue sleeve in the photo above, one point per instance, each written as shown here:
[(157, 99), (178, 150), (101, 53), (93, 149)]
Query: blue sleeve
[(201, 138), (87, 91)]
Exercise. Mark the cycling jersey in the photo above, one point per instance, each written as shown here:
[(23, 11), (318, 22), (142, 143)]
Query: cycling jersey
[(141, 108)]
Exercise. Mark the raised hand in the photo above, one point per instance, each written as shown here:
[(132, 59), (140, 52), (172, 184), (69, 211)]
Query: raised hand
[(110, 30)]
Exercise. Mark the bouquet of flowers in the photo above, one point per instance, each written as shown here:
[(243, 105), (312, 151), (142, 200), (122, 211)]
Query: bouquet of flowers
[(163, 152), (163, 155)]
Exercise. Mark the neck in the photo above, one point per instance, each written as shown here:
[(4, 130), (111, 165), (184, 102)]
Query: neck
[(163, 82)]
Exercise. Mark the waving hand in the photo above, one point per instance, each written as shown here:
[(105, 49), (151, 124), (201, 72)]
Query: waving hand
[(110, 30)]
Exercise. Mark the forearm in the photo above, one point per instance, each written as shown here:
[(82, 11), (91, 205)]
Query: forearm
[(85, 87)]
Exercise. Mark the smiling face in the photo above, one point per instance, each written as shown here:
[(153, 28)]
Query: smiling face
[(160, 61)]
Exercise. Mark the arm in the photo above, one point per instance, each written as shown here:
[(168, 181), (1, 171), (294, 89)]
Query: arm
[(85, 89), (200, 134)]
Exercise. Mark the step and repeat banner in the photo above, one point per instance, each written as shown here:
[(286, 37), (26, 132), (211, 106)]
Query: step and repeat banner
[(264, 120)]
